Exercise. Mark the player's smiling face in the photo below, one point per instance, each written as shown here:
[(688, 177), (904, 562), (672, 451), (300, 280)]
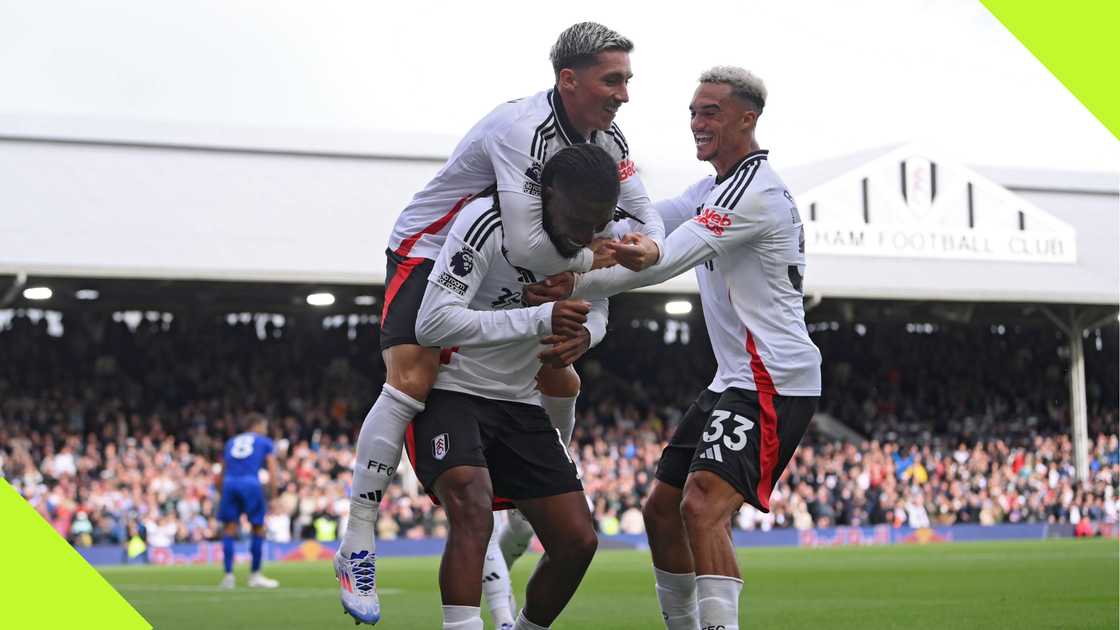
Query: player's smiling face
[(721, 125), (592, 95)]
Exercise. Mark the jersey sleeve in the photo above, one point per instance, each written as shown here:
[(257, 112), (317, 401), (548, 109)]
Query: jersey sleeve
[(446, 319), (267, 447), (634, 201), (724, 228), (675, 211), (596, 323), (683, 250), (517, 173)]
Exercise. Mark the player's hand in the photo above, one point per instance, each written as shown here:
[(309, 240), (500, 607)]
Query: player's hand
[(635, 251), (568, 317), (552, 288), (604, 255), (564, 351)]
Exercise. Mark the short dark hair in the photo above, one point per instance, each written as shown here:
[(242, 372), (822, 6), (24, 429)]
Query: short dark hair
[(250, 420), (579, 45), (584, 170)]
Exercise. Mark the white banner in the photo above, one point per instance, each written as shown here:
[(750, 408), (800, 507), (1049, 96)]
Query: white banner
[(899, 241)]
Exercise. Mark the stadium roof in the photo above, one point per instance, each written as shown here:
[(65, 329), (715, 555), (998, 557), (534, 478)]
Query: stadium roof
[(890, 223)]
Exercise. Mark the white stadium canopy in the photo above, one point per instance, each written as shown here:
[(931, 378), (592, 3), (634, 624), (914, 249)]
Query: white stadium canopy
[(894, 223)]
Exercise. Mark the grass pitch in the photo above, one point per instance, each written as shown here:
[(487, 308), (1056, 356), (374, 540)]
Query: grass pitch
[(1039, 584)]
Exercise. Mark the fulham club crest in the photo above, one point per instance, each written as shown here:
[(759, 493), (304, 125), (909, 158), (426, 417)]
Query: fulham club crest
[(440, 445), (919, 184)]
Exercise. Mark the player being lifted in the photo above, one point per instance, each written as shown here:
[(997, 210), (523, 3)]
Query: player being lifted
[(484, 433), (242, 493), (504, 152), (742, 233)]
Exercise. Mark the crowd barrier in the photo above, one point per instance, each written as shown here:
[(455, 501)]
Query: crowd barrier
[(211, 552)]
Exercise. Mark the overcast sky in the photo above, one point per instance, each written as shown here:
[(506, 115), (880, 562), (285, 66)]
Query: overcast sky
[(842, 76)]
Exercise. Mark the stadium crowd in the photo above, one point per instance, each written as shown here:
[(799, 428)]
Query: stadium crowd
[(115, 428)]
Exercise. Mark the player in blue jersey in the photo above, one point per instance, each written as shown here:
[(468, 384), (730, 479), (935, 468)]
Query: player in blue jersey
[(243, 493)]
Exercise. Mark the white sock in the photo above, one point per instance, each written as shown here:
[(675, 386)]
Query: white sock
[(495, 583), (562, 413), (718, 600), (515, 537), (378, 453), (462, 618), (676, 592), (525, 624)]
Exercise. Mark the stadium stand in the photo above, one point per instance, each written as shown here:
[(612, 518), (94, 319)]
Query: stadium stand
[(112, 425)]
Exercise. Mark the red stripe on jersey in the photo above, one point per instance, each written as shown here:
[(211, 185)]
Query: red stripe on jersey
[(404, 270), (440, 223), (769, 446), (445, 354)]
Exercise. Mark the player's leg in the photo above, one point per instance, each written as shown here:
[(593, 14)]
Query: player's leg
[(749, 439), (559, 391), (410, 372), (229, 535), (529, 465), (566, 531), (496, 586), (674, 574), (255, 509), (230, 508), (466, 495)]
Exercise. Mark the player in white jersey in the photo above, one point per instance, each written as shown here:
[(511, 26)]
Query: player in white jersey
[(484, 434), (504, 152), (742, 232)]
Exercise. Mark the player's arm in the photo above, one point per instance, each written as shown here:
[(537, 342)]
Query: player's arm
[(527, 244), (273, 475), (446, 319), (683, 250)]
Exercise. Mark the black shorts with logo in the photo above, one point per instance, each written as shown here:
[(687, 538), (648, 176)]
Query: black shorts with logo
[(406, 279), (515, 441), (745, 437)]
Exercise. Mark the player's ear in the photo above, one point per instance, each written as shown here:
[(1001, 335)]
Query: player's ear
[(567, 78), (750, 119)]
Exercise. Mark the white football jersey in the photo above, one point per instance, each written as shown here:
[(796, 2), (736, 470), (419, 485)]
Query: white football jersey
[(744, 235), (472, 310), (505, 151)]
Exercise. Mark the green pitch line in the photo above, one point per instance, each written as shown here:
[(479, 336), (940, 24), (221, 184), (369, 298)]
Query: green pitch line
[(1044, 584)]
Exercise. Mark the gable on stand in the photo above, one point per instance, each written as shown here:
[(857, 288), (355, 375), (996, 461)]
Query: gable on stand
[(910, 203)]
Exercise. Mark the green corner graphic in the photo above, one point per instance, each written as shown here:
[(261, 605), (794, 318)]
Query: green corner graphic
[(1077, 42), (46, 583)]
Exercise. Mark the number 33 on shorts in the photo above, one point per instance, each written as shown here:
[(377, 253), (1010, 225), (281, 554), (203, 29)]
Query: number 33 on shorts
[(734, 436)]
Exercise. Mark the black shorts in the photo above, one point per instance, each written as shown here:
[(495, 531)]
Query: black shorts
[(515, 441), (406, 279), (747, 439)]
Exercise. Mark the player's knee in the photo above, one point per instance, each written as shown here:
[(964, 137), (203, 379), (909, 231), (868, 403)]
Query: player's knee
[(412, 370), (559, 383), (661, 511), (697, 508), (582, 544), (468, 509)]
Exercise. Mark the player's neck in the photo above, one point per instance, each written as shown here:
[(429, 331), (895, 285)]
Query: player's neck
[(725, 164), (583, 130)]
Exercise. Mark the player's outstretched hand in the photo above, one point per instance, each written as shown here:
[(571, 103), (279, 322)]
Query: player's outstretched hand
[(568, 317), (604, 255), (635, 251), (552, 288), (564, 351)]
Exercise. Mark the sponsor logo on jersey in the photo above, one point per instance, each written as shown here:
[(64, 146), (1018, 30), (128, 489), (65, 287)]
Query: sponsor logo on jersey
[(626, 170), (462, 262), (377, 466), (440, 445), (533, 179), (451, 283), (716, 222), (507, 299), (620, 215)]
